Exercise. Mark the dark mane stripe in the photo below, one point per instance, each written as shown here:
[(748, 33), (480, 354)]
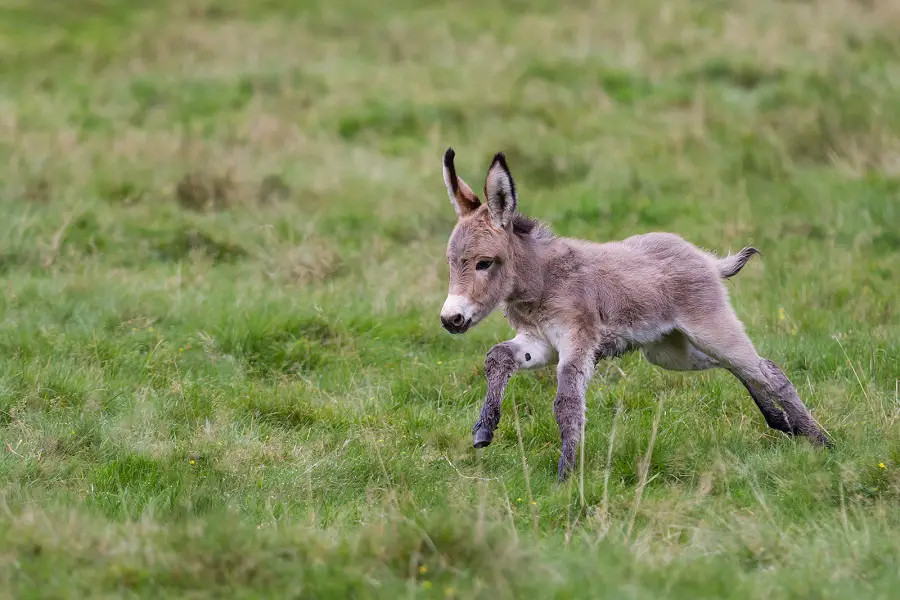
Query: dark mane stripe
[(523, 225)]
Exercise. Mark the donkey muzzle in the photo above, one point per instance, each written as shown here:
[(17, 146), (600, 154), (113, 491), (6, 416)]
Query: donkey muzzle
[(456, 323), (456, 315)]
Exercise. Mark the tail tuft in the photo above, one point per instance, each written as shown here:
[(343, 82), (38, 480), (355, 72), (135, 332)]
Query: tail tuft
[(731, 265)]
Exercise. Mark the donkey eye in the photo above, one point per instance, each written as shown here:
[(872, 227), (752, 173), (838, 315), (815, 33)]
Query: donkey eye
[(483, 264)]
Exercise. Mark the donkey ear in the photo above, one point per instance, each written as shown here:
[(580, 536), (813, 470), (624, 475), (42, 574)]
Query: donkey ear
[(462, 197), (500, 192)]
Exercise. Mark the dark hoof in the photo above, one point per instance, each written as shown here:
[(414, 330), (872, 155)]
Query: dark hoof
[(482, 438), (563, 470), (821, 439)]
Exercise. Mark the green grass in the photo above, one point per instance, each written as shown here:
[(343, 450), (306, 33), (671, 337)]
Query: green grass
[(222, 250)]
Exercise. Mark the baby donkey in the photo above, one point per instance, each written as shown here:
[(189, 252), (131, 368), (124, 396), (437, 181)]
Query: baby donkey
[(574, 302)]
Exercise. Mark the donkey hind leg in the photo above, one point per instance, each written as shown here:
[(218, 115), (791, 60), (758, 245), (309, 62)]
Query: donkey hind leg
[(722, 337), (676, 353), (504, 359)]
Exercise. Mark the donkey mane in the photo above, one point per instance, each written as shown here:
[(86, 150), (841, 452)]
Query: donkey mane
[(526, 226)]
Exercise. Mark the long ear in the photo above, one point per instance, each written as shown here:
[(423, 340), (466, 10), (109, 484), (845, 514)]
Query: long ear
[(500, 192), (462, 197)]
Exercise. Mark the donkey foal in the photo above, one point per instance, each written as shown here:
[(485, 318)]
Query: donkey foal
[(574, 302)]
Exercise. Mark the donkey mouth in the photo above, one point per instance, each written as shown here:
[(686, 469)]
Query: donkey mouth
[(455, 328)]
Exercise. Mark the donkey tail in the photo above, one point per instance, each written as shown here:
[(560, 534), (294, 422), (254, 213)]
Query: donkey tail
[(732, 264)]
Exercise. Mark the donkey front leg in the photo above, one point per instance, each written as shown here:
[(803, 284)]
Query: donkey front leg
[(522, 352), (573, 375)]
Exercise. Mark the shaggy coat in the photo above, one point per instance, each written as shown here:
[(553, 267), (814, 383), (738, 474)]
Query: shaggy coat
[(574, 302)]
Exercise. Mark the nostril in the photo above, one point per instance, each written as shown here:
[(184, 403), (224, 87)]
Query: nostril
[(458, 320)]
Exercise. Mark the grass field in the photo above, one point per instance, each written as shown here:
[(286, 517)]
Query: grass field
[(222, 372)]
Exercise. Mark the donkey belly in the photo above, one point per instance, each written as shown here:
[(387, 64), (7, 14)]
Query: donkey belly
[(607, 342), (628, 339)]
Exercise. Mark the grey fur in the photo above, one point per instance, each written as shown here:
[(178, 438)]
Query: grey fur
[(575, 302)]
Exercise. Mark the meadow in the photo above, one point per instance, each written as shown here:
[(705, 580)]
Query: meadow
[(222, 252)]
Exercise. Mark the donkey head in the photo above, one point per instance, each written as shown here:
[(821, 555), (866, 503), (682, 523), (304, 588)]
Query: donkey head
[(480, 250)]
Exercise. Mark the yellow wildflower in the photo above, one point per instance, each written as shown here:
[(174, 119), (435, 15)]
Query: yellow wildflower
[(423, 569), (881, 466)]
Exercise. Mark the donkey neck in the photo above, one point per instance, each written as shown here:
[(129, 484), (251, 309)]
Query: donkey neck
[(531, 253)]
